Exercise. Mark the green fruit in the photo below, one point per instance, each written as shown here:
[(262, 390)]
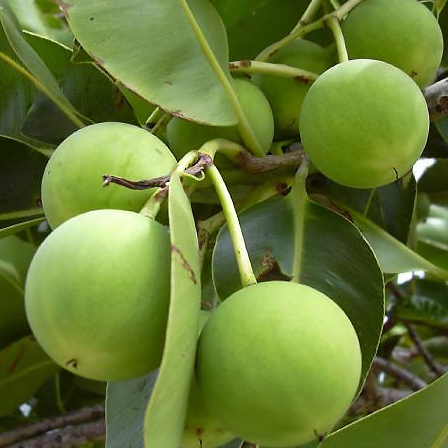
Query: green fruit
[(364, 123), (97, 294), (201, 429), (278, 363), (285, 95), (72, 182), (185, 136), (403, 33), (15, 257)]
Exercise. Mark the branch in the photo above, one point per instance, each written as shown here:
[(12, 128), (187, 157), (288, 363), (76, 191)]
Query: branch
[(413, 381), (430, 361), (437, 99), (253, 164), (384, 397), (59, 421), (68, 437)]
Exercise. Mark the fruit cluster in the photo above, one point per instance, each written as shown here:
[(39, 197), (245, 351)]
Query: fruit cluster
[(278, 363)]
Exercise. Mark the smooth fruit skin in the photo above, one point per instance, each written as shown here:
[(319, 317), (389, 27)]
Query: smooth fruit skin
[(403, 33), (364, 123), (72, 182), (97, 294), (201, 429), (285, 95), (185, 136), (278, 363)]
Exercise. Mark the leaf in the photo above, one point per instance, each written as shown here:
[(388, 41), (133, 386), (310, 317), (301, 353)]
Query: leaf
[(31, 65), (165, 416), (11, 230), (391, 207), (393, 256), (32, 18), (21, 171), (24, 367), (336, 260), (420, 420), (154, 52), (434, 184), (252, 25), (425, 303), (15, 257), (126, 404)]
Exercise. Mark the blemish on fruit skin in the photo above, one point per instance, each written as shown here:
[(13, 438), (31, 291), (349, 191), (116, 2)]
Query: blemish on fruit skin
[(246, 63), (396, 174), (185, 263), (72, 362), (413, 74)]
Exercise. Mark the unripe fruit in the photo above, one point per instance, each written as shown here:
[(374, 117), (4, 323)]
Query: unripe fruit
[(72, 182), (201, 429), (285, 95), (278, 363), (185, 136), (364, 123), (403, 33), (97, 294)]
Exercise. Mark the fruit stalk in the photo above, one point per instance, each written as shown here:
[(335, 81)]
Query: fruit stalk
[(242, 257), (333, 24), (282, 70), (299, 197), (244, 126)]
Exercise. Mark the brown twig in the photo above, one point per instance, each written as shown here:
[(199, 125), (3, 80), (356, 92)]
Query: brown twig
[(67, 437), (413, 381), (59, 421), (384, 397), (436, 96), (254, 164), (430, 361)]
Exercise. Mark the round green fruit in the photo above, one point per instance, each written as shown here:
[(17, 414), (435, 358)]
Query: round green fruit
[(403, 33), (72, 182), (364, 123), (15, 257), (97, 294), (201, 429), (278, 363), (185, 136), (285, 95)]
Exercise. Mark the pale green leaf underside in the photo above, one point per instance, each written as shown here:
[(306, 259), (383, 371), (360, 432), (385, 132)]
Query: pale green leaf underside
[(150, 47), (165, 416)]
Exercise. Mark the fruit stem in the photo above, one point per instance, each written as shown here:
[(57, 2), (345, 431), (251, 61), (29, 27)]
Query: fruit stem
[(161, 124), (308, 15), (333, 24), (156, 115), (300, 31), (242, 257), (282, 70), (299, 200), (152, 206), (369, 202), (244, 127), (335, 4)]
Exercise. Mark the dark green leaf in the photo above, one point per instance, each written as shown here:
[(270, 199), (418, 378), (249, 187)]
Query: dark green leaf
[(336, 260), (24, 367), (434, 182), (155, 53)]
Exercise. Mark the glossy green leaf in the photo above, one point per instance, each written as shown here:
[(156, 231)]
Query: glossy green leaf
[(155, 53), (165, 416), (393, 256), (24, 367), (420, 420), (31, 66), (335, 260), (11, 230), (32, 18), (15, 257), (21, 171), (391, 207), (252, 25), (126, 404), (434, 184)]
